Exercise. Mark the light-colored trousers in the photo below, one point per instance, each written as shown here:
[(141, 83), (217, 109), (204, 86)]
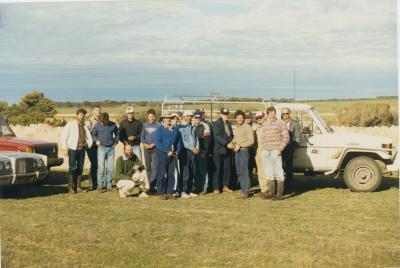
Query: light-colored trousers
[(262, 178), (139, 178), (272, 160)]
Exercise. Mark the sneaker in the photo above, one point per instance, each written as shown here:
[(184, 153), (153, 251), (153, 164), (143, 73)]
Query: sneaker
[(185, 195), (242, 196), (192, 195), (144, 195), (227, 190), (170, 197)]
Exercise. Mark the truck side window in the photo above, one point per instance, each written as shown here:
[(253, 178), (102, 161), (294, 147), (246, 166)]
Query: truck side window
[(308, 125)]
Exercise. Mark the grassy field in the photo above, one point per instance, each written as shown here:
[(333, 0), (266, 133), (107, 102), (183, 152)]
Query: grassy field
[(320, 224)]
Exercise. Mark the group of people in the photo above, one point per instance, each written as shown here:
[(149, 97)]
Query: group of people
[(184, 155)]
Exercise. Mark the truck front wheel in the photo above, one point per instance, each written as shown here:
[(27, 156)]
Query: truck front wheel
[(362, 174)]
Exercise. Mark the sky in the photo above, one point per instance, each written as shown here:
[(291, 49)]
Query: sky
[(143, 50)]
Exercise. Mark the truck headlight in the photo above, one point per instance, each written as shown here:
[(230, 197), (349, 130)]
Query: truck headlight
[(40, 163), (8, 166), (2, 166), (387, 146)]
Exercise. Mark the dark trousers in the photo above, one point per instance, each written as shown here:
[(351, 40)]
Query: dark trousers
[(76, 159), (242, 169), (150, 158), (287, 161), (222, 173), (186, 168), (165, 173), (92, 154)]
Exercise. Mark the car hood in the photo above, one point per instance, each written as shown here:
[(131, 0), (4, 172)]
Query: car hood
[(357, 139), (25, 142), (20, 154)]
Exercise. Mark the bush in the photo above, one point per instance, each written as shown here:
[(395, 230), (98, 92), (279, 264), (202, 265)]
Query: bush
[(366, 115), (33, 108)]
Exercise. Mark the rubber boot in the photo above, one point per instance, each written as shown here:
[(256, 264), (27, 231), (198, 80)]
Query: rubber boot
[(271, 190), (281, 189), (71, 189), (78, 184)]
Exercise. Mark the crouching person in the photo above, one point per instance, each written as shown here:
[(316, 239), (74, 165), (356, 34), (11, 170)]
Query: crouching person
[(130, 172)]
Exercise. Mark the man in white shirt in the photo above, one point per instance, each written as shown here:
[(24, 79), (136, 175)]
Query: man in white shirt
[(76, 137)]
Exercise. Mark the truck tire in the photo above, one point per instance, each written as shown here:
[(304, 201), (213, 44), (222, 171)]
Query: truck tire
[(362, 174)]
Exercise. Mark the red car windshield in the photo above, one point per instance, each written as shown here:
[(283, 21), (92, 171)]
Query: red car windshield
[(5, 129)]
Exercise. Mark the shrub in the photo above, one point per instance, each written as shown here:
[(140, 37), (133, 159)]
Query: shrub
[(366, 115)]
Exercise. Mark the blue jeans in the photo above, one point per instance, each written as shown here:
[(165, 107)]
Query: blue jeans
[(242, 169), (105, 155), (137, 151), (272, 161), (200, 173), (165, 173), (76, 159), (186, 167)]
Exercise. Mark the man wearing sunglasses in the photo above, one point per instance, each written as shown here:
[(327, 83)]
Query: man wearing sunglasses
[(294, 140)]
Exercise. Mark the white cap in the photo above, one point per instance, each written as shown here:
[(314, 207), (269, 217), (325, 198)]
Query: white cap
[(259, 114), (129, 110), (187, 113)]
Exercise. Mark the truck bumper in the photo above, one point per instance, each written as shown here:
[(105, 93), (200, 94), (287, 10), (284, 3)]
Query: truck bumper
[(396, 164), (30, 177), (54, 161), (6, 179)]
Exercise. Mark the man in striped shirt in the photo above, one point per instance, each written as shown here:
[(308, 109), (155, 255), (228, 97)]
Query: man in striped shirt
[(273, 140)]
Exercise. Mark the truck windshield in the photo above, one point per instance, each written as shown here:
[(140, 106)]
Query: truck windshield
[(321, 120), (5, 129)]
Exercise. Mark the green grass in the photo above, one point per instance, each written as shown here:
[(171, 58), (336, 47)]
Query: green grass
[(320, 224)]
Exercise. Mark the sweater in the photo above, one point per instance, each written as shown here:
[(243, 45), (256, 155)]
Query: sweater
[(244, 136), (273, 136), (148, 135), (108, 135), (124, 167), (130, 128)]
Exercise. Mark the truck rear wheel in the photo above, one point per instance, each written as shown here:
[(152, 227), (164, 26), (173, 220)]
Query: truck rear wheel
[(362, 174)]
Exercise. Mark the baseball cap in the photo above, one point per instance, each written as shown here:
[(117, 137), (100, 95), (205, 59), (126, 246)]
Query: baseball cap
[(259, 114), (167, 116), (224, 111), (129, 110), (198, 113), (187, 113)]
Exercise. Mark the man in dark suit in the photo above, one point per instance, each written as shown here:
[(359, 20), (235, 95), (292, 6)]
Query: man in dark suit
[(223, 135), (294, 141)]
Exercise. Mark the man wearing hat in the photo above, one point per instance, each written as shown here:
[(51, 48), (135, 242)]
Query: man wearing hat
[(168, 145), (186, 157), (130, 131), (223, 135)]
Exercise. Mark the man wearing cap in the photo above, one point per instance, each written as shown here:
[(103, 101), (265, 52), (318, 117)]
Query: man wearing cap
[(75, 137), (130, 130), (294, 141), (186, 157), (168, 145), (223, 136), (201, 159), (262, 178), (243, 140), (274, 138)]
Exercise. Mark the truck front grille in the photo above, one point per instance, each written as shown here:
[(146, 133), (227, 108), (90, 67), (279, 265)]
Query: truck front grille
[(24, 165)]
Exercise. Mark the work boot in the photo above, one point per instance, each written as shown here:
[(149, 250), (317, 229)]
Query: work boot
[(281, 189), (78, 184), (271, 190), (71, 189), (227, 190), (242, 196)]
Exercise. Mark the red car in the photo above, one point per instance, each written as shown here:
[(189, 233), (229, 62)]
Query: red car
[(10, 142)]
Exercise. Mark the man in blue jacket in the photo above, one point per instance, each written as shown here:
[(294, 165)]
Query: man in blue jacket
[(168, 145), (106, 136)]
